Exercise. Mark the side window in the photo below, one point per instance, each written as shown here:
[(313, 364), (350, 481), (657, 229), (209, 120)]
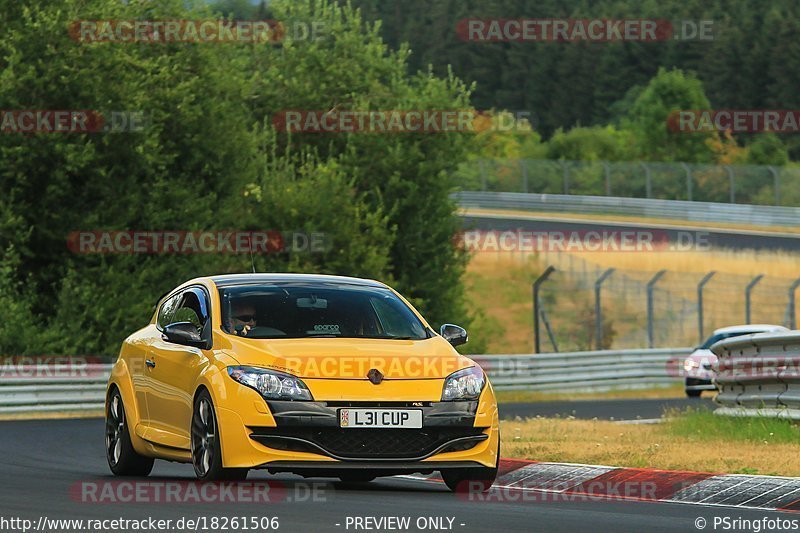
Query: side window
[(193, 308), (190, 305), (167, 312)]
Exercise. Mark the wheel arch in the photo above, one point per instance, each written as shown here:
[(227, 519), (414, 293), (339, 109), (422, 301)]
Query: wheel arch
[(121, 380)]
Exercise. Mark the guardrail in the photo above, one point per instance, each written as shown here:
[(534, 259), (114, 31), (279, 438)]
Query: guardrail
[(591, 370), (55, 388), (755, 215), (759, 375), (61, 389)]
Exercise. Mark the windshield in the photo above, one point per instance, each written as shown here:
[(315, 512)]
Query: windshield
[(720, 336), (297, 310)]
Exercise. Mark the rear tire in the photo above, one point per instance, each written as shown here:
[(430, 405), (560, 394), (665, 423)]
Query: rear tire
[(693, 393), (122, 458), (206, 448)]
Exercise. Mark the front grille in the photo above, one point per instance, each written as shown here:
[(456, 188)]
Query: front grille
[(367, 443)]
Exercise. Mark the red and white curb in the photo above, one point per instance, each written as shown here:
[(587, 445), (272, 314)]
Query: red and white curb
[(530, 481)]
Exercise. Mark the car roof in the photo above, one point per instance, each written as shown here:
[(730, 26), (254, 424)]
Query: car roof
[(231, 280), (750, 328)]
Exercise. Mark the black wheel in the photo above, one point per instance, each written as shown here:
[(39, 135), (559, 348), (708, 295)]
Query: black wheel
[(206, 449), (122, 458), (694, 393), (356, 477), (477, 479)]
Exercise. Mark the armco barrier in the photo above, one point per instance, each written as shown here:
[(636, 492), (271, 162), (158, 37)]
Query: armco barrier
[(597, 370), (29, 392), (759, 375), (56, 388), (755, 215)]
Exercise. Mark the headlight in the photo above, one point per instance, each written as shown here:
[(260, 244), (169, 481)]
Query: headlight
[(465, 384), (270, 384), (690, 364)]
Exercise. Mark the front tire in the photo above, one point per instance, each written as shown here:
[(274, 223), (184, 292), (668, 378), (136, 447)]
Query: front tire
[(693, 393), (206, 448), (477, 479), (356, 478), (122, 458)]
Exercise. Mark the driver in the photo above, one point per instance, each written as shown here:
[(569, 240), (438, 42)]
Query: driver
[(243, 317)]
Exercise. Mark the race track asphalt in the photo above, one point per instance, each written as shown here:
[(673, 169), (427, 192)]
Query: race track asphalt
[(43, 461)]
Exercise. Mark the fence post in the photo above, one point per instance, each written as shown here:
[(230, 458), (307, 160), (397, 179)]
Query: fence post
[(747, 293), (648, 180), (688, 181), (608, 178), (524, 165), (482, 166), (565, 170), (598, 313), (541, 279), (729, 170), (792, 322), (650, 285), (700, 286), (549, 331), (776, 184)]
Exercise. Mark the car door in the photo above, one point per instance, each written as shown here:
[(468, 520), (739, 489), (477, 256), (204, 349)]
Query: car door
[(173, 371), (140, 358)]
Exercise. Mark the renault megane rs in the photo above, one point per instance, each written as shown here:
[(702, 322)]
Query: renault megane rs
[(315, 375)]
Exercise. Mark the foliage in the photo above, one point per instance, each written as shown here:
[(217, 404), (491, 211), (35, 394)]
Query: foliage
[(209, 158)]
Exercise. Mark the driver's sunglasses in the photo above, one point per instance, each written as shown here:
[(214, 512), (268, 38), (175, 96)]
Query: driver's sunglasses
[(245, 318)]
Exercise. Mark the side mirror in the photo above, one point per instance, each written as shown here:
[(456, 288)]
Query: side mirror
[(184, 333), (455, 335)]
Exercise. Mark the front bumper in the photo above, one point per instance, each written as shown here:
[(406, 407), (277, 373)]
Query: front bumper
[(305, 437), (314, 427), (699, 384)]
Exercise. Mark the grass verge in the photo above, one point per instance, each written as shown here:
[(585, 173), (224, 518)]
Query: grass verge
[(52, 415), (631, 219), (688, 440)]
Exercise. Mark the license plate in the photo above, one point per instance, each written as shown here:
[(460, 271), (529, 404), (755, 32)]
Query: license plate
[(380, 418)]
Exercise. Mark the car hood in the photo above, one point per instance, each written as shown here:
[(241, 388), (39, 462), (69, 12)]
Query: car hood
[(432, 358), (704, 357)]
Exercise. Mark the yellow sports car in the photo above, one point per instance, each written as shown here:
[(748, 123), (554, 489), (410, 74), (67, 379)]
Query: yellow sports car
[(316, 375)]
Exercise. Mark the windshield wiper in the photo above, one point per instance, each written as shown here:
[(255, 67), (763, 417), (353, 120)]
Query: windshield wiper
[(390, 337)]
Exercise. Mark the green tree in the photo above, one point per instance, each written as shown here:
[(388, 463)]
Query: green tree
[(649, 119), (591, 144), (208, 158)]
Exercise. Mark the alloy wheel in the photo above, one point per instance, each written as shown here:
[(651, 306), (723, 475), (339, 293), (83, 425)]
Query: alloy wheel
[(115, 425), (203, 437)]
